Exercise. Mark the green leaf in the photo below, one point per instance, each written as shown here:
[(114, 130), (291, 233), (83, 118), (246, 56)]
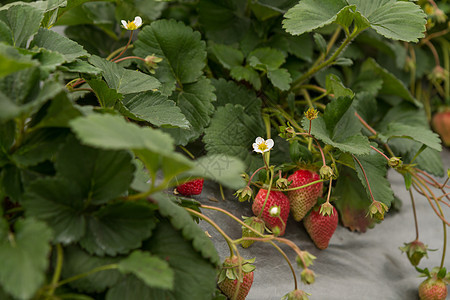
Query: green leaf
[(270, 59), (311, 14), (77, 261), (195, 102), (102, 175), (107, 97), (7, 135), (233, 136), (181, 49), (221, 168), (12, 184), (39, 146), (59, 113), (23, 22), (228, 56), (123, 80), (80, 66), (398, 20), (113, 132), (154, 108), (334, 86), (59, 203), (230, 92), (246, 73), (352, 202), (224, 20), (181, 220), (12, 60), (118, 228), (280, 78), (339, 128), (420, 134), (51, 40), (375, 168), (24, 257), (391, 84), (153, 271), (49, 60)]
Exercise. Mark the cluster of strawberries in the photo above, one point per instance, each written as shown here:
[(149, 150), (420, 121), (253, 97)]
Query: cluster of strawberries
[(302, 205)]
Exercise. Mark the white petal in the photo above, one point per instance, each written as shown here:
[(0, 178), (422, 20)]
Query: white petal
[(124, 23), (255, 148), (269, 144), (138, 21), (259, 140)]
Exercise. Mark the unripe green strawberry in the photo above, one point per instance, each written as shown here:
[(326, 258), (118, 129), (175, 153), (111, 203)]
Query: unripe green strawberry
[(441, 124), (229, 274), (255, 223), (304, 199), (321, 228), (275, 199), (433, 289)]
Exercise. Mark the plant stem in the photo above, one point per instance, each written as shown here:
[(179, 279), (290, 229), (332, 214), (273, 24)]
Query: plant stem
[(82, 275), (114, 53), (213, 224), (58, 269), (295, 188), (125, 48), (384, 155), (128, 57), (416, 224), (365, 176), (444, 223), (314, 69), (268, 193)]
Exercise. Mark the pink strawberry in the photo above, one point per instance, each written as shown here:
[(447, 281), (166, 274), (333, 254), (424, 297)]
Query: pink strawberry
[(229, 274), (321, 228), (441, 124), (304, 199), (193, 187), (433, 289), (275, 199)]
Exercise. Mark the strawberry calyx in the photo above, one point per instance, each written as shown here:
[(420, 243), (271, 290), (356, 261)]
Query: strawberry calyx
[(230, 268)]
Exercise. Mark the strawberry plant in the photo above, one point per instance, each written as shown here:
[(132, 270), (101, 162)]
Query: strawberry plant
[(114, 113)]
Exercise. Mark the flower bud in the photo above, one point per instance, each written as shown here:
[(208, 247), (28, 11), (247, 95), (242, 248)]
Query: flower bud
[(311, 113), (415, 251), (152, 62), (326, 172), (308, 258), (296, 295), (308, 276), (395, 162), (244, 194), (377, 210)]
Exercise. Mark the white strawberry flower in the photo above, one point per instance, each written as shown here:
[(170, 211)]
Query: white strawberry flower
[(260, 145), (132, 25)]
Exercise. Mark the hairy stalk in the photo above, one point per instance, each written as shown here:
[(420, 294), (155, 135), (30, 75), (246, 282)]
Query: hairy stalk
[(114, 53), (384, 155), (416, 224), (365, 176), (128, 57), (187, 151), (125, 48), (268, 193), (82, 275), (373, 131), (444, 223), (232, 247), (58, 268), (294, 188), (417, 184), (412, 80), (316, 68)]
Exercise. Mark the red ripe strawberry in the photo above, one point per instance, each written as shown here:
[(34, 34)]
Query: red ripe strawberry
[(433, 289), (304, 199), (229, 274), (441, 124), (193, 187), (275, 199), (321, 228)]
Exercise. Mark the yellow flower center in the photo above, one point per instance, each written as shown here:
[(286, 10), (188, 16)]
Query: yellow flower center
[(262, 146), (131, 26)]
